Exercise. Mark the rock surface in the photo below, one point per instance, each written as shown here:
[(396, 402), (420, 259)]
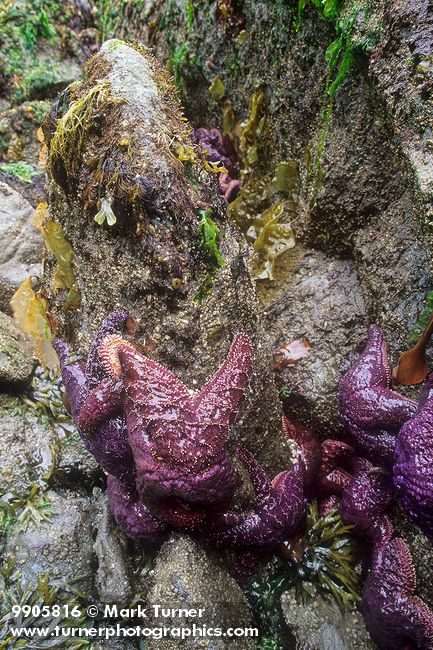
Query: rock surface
[(16, 360), (22, 245), (321, 301), (62, 545), (319, 624), (112, 577), (186, 577), (26, 448)]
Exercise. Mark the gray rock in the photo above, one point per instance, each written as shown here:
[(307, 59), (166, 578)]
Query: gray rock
[(16, 359), (187, 577), (317, 298), (26, 447), (318, 624), (22, 245), (406, 45), (112, 577), (75, 465), (62, 545), (394, 270)]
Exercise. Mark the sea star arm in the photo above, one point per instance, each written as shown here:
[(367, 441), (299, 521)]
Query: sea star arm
[(102, 402), (220, 397), (279, 508), (131, 514), (95, 372), (382, 408), (73, 376)]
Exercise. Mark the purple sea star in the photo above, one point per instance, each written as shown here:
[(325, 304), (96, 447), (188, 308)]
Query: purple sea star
[(220, 149), (372, 412), (109, 442), (396, 618), (413, 468), (178, 441), (277, 513)]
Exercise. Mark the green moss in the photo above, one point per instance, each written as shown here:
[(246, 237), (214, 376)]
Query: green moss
[(340, 54), (208, 232), (24, 26), (67, 144), (423, 319), (111, 16), (21, 170)]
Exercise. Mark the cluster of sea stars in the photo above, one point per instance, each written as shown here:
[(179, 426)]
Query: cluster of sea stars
[(165, 450), (396, 434)]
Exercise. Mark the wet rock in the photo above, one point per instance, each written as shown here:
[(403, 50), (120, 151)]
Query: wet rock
[(75, 465), (16, 360), (112, 577), (317, 298), (33, 192), (187, 577), (406, 45), (320, 625), (393, 265), (151, 261), (27, 448), (62, 545), (22, 245)]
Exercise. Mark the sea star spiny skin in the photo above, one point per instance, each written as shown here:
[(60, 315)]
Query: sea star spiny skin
[(108, 442), (178, 440), (396, 618), (277, 513), (371, 412), (413, 468)]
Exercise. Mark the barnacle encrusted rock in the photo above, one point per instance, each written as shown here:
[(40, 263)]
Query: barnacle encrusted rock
[(186, 577), (133, 152), (16, 362), (22, 246)]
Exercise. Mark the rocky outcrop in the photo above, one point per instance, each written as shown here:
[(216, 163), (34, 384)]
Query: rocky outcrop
[(22, 245), (153, 260), (26, 448), (112, 579), (16, 358), (186, 577), (61, 545), (318, 623), (321, 301)]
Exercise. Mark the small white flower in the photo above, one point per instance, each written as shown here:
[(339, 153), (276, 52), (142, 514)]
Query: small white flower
[(105, 213)]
